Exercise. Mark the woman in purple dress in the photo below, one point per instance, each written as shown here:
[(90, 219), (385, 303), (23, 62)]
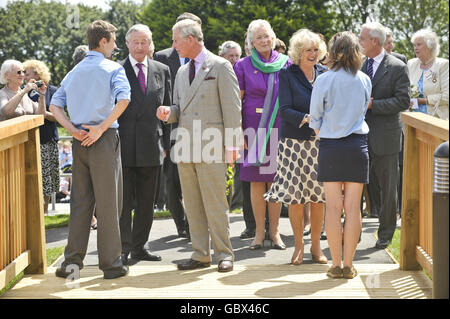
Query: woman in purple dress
[(258, 80)]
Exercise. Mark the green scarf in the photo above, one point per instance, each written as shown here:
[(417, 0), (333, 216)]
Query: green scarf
[(268, 68), (275, 66)]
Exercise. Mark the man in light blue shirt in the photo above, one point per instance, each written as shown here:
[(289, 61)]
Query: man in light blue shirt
[(90, 91)]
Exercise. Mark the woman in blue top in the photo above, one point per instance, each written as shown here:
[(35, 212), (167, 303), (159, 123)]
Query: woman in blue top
[(338, 106), (295, 182)]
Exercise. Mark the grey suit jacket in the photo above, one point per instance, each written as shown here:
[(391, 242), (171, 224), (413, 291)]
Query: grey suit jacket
[(143, 136), (211, 101), (390, 92)]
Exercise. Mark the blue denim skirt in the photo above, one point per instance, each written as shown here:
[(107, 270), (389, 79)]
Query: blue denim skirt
[(344, 159)]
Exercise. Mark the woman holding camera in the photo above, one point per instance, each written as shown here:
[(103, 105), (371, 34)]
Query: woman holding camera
[(14, 100), (37, 71)]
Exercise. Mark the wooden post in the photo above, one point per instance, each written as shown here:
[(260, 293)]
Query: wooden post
[(34, 204), (410, 201)]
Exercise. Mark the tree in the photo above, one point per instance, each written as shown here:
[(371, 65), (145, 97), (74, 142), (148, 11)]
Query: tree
[(228, 19), (123, 15), (46, 31), (403, 17)]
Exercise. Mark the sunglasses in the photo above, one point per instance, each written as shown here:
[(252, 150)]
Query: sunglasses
[(20, 72)]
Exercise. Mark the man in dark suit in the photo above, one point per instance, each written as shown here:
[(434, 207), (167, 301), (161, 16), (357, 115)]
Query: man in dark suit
[(143, 142), (389, 46), (390, 96), (170, 58)]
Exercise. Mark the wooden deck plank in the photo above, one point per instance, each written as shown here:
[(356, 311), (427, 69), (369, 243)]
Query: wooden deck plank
[(246, 281)]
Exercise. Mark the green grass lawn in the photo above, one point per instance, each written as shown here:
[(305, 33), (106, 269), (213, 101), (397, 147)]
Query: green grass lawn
[(52, 255), (394, 247), (62, 220)]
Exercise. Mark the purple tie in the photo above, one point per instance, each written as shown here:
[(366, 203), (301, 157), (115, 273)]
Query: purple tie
[(141, 77)]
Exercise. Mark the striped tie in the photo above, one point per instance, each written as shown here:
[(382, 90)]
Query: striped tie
[(141, 77), (370, 68)]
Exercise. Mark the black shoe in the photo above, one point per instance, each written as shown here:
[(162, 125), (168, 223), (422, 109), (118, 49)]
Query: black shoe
[(145, 255), (323, 236), (192, 264), (374, 214), (382, 244), (115, 272), (183, 234), (63, 271), (124, 257), (247, 233)]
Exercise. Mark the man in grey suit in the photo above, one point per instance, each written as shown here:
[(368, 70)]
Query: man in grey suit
[(144, 140), (206, 103), (171, 58), (390, 96)]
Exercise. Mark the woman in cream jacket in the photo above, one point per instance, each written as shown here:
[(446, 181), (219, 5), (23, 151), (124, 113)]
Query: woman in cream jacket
[(429, 74)]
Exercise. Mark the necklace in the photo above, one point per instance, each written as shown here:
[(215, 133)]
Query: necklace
[(426, 65)]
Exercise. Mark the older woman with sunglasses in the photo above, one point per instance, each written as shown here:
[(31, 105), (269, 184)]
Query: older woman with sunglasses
[(14, 100)]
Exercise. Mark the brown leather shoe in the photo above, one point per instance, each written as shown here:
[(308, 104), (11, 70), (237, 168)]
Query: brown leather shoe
[(225, 266), (192, 264)]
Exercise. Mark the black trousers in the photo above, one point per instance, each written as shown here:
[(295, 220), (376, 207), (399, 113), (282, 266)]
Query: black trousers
[(174, 195), (386, 173), (249, 218), (139, 192)]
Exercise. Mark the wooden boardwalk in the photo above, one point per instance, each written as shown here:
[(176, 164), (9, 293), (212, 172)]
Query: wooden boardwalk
[(246, 281)]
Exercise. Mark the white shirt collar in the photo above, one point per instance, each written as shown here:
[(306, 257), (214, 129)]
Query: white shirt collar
[(134, 62), (380, 56)]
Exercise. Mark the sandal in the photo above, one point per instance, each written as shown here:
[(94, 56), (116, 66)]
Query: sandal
[(335, 272), (349, 272)]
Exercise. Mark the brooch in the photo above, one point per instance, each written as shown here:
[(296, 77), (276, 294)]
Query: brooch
[(256, 72)]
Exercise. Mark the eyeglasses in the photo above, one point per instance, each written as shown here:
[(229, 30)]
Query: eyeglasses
[(20, 72)]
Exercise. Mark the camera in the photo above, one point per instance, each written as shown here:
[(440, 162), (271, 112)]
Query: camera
[(39, 84)]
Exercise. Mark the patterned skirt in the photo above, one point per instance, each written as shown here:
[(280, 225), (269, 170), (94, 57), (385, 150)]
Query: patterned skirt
[(50, 168), (296, 179)]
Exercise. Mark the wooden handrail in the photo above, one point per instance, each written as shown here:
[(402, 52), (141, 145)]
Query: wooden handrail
[(423, 134), (22, 231)]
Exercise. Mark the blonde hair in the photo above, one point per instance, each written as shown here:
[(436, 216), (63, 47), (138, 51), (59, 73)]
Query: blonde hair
[(303, 39), (39, 68)]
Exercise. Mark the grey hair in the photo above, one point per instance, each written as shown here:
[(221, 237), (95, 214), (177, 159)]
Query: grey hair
[(376, 30), (227, 45), (79, 53), (255, 24), (431, 40), (6, 67), (139, 28), (188, 27)]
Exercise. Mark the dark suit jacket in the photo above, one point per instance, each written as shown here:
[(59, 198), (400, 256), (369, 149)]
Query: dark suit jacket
[(49, 131), (143, 136), (399, 56), (170, 58), (294, 96), (390, 92)]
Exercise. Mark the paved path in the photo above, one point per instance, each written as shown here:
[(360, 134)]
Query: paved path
[(164, 241)]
